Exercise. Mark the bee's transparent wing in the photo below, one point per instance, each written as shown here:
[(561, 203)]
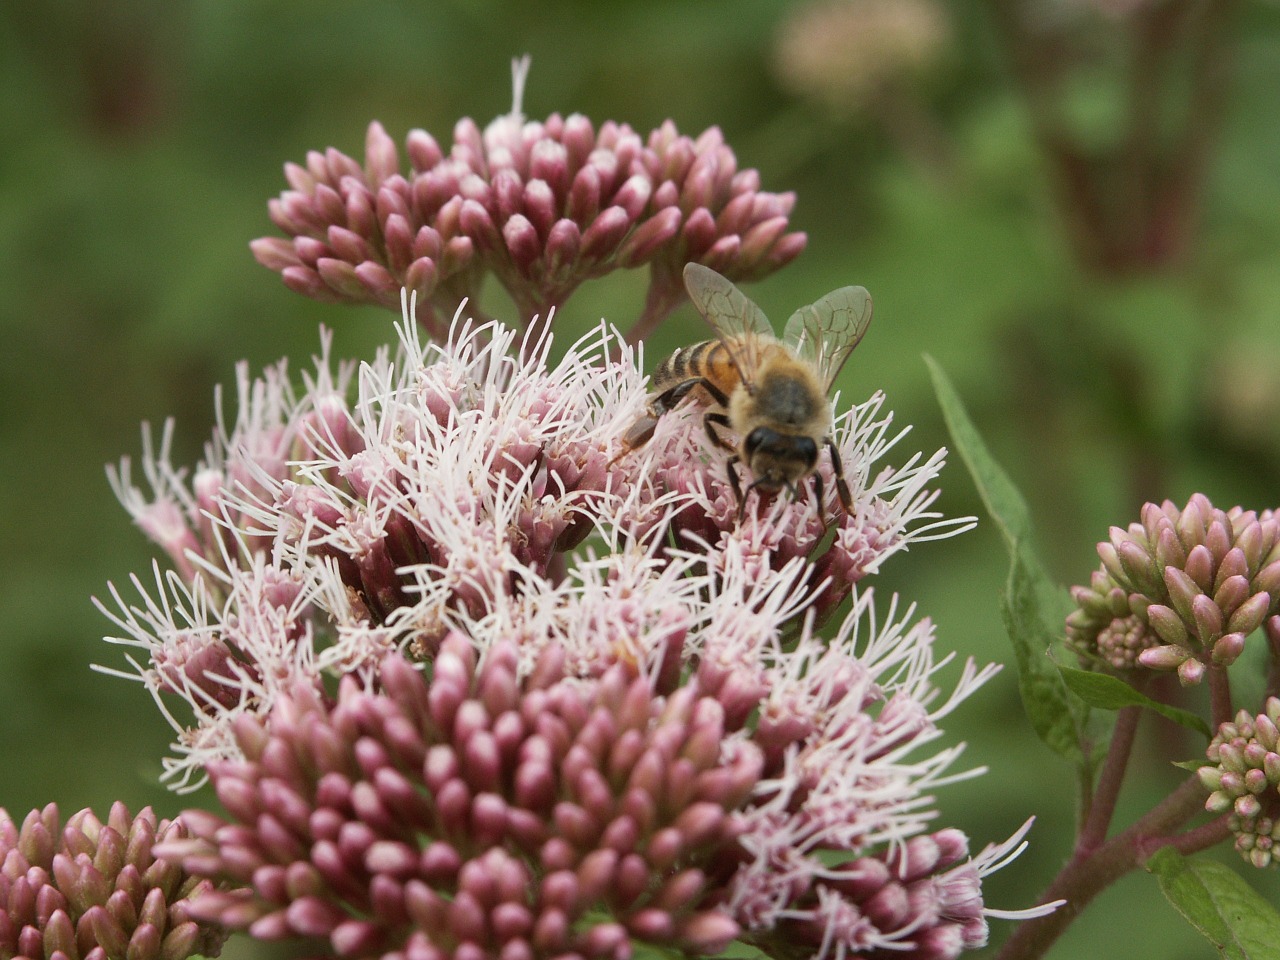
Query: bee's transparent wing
[(741, 326), (824, 333)]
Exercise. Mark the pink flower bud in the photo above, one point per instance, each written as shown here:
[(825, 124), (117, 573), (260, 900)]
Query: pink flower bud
[(649, 237), (274, 253), (381, 157), (709, 932), (1190, 671)]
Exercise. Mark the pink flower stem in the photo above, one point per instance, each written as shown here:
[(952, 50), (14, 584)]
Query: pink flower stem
[(1273, 663), (1204, 836), (1097, 819), (1220, 708), (1090, 872), (665, 294)]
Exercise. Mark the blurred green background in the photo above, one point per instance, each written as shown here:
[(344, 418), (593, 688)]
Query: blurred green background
[(1103, 290)]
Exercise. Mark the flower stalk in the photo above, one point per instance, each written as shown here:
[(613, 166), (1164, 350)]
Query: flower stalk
[(1091, 871)]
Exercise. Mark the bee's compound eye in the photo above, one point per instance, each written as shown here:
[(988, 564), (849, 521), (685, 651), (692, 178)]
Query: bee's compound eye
[(757, 438)]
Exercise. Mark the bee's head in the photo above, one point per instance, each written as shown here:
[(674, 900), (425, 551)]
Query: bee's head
[(779, 459)]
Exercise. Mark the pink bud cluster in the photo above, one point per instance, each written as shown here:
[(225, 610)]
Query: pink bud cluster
[(1198, 580), (97, 891), (486, 813), (1244, 778), (541, 205), (478, 814)]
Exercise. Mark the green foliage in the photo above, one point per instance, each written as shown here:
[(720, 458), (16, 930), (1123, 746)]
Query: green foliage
[(1106, 692), (1032, 607), (1214, 899)]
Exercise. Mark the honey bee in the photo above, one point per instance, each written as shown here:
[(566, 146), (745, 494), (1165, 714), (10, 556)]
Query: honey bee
[(771, 393)]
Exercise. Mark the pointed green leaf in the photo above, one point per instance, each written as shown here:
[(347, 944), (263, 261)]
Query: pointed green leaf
[(1106, 692), (1002, 499), (1034, 607), (1216, 901), (1057, 719)]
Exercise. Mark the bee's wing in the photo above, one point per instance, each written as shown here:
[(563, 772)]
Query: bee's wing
[(825, 333), (741, 326)]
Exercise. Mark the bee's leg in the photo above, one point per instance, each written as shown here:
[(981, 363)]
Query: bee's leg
[(638, 434), (819, 491), (736, 484), (722, 420), (714, 392), (641, 432), (711, 421), (837, 468), (668, 398)]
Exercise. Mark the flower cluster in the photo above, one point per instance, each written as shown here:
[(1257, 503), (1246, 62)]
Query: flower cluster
[(630, 730), (891, 508), (1181, 590), (488, 813), (455, 482), (540, 205), (98, 891), (1244, 777)]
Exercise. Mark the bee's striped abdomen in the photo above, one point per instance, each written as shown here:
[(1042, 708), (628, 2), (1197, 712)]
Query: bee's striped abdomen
[(709, 360), (685, 363)]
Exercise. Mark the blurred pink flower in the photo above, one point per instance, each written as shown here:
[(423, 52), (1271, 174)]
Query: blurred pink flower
[(97, 891), (845, 54)]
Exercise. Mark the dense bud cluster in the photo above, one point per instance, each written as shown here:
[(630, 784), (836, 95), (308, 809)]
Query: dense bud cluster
[(1183, 589), (541, 205), (477, 814), (96, 891), (1244, 778), (482, 813)]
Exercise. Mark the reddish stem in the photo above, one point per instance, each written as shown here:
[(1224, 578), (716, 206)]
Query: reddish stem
[(1103, 808), (1220, 708), (665, 294), (1088, 874)]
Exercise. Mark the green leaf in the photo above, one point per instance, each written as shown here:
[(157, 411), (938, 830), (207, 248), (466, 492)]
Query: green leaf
[(741, 951), (1034, 607), (1057, 718), (1001, 498), (1106, 692), (1216, 901), (651, 951)]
